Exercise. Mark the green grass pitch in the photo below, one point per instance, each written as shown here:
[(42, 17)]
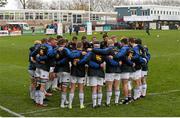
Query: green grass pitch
[(163, 97)]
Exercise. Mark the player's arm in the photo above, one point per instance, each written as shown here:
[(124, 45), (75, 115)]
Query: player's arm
[(33, 55), (120, 54), (71, 54), (111, 61), (50, 51), (128, 61), (85, 59), (62, 61), (148, 55), (105, 51), (93, 64)]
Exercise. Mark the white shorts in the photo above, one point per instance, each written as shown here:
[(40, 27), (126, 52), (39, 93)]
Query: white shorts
[(112, 76), (137, 75), (80, 80), (63, 77), (31, 73), (95, 81), (131, 75), (41, 73), (144, 73), (125, 76)]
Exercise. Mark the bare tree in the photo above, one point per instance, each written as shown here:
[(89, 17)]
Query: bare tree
[(3, 3), (55, 5), (34, 4), (23, 3)]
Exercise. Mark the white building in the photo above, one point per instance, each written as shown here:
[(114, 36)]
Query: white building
[(65, 16), (155, 15)]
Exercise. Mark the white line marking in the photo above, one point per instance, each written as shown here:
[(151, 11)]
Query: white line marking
[(55, 108), (10, 112)]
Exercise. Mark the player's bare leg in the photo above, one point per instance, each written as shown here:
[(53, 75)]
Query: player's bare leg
[(99, 95), (116, 90), (81, 95), (109, 92), (94, 96), (71, 94)]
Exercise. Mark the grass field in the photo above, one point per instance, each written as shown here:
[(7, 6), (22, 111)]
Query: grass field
[(163, 97)]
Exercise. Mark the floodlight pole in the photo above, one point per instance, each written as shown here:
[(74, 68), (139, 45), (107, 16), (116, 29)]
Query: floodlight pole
[(59, 11), (89, 10)]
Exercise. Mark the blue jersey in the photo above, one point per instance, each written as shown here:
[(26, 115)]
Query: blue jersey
[(148, 57), (112, 65), (95, 69), (62, 59), (31, 64), (137, 58), (43, 56), (123, 55)]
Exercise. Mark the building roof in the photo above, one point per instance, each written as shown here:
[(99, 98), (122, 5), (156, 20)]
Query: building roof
[(64, 11), (148, 6)]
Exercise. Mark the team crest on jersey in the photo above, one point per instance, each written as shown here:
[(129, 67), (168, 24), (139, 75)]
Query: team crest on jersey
[(75, 61), (57, 56), (98, 58)]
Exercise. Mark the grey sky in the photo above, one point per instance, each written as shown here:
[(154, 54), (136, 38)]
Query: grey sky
[(13, 4)]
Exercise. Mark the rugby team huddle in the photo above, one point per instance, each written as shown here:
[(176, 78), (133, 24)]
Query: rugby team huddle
[(59, 64)]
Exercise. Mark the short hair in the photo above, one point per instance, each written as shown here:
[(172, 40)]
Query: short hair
[(61, 42), (59, 37), (44, 40), (37, 42), (138, 41), (51, 39), (74, 38), (124, 40), (104, 36), (131, 40), (83, 37)]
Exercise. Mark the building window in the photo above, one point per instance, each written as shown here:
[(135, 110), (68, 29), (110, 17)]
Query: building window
[(170, 13), (74, 18), (31, 16), (79, 20), (144, 13), (69, 17), (17, 16), (97, 18), (1, 16), (26, 15), (157, 12), (151, 11), (65, 18), (46, 15), (164, 12), (37, 16), (161, 13), (21, 16), (133, 12), (55, 16), (167, 12), (154, 11), (50, 16), (41, 16)]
